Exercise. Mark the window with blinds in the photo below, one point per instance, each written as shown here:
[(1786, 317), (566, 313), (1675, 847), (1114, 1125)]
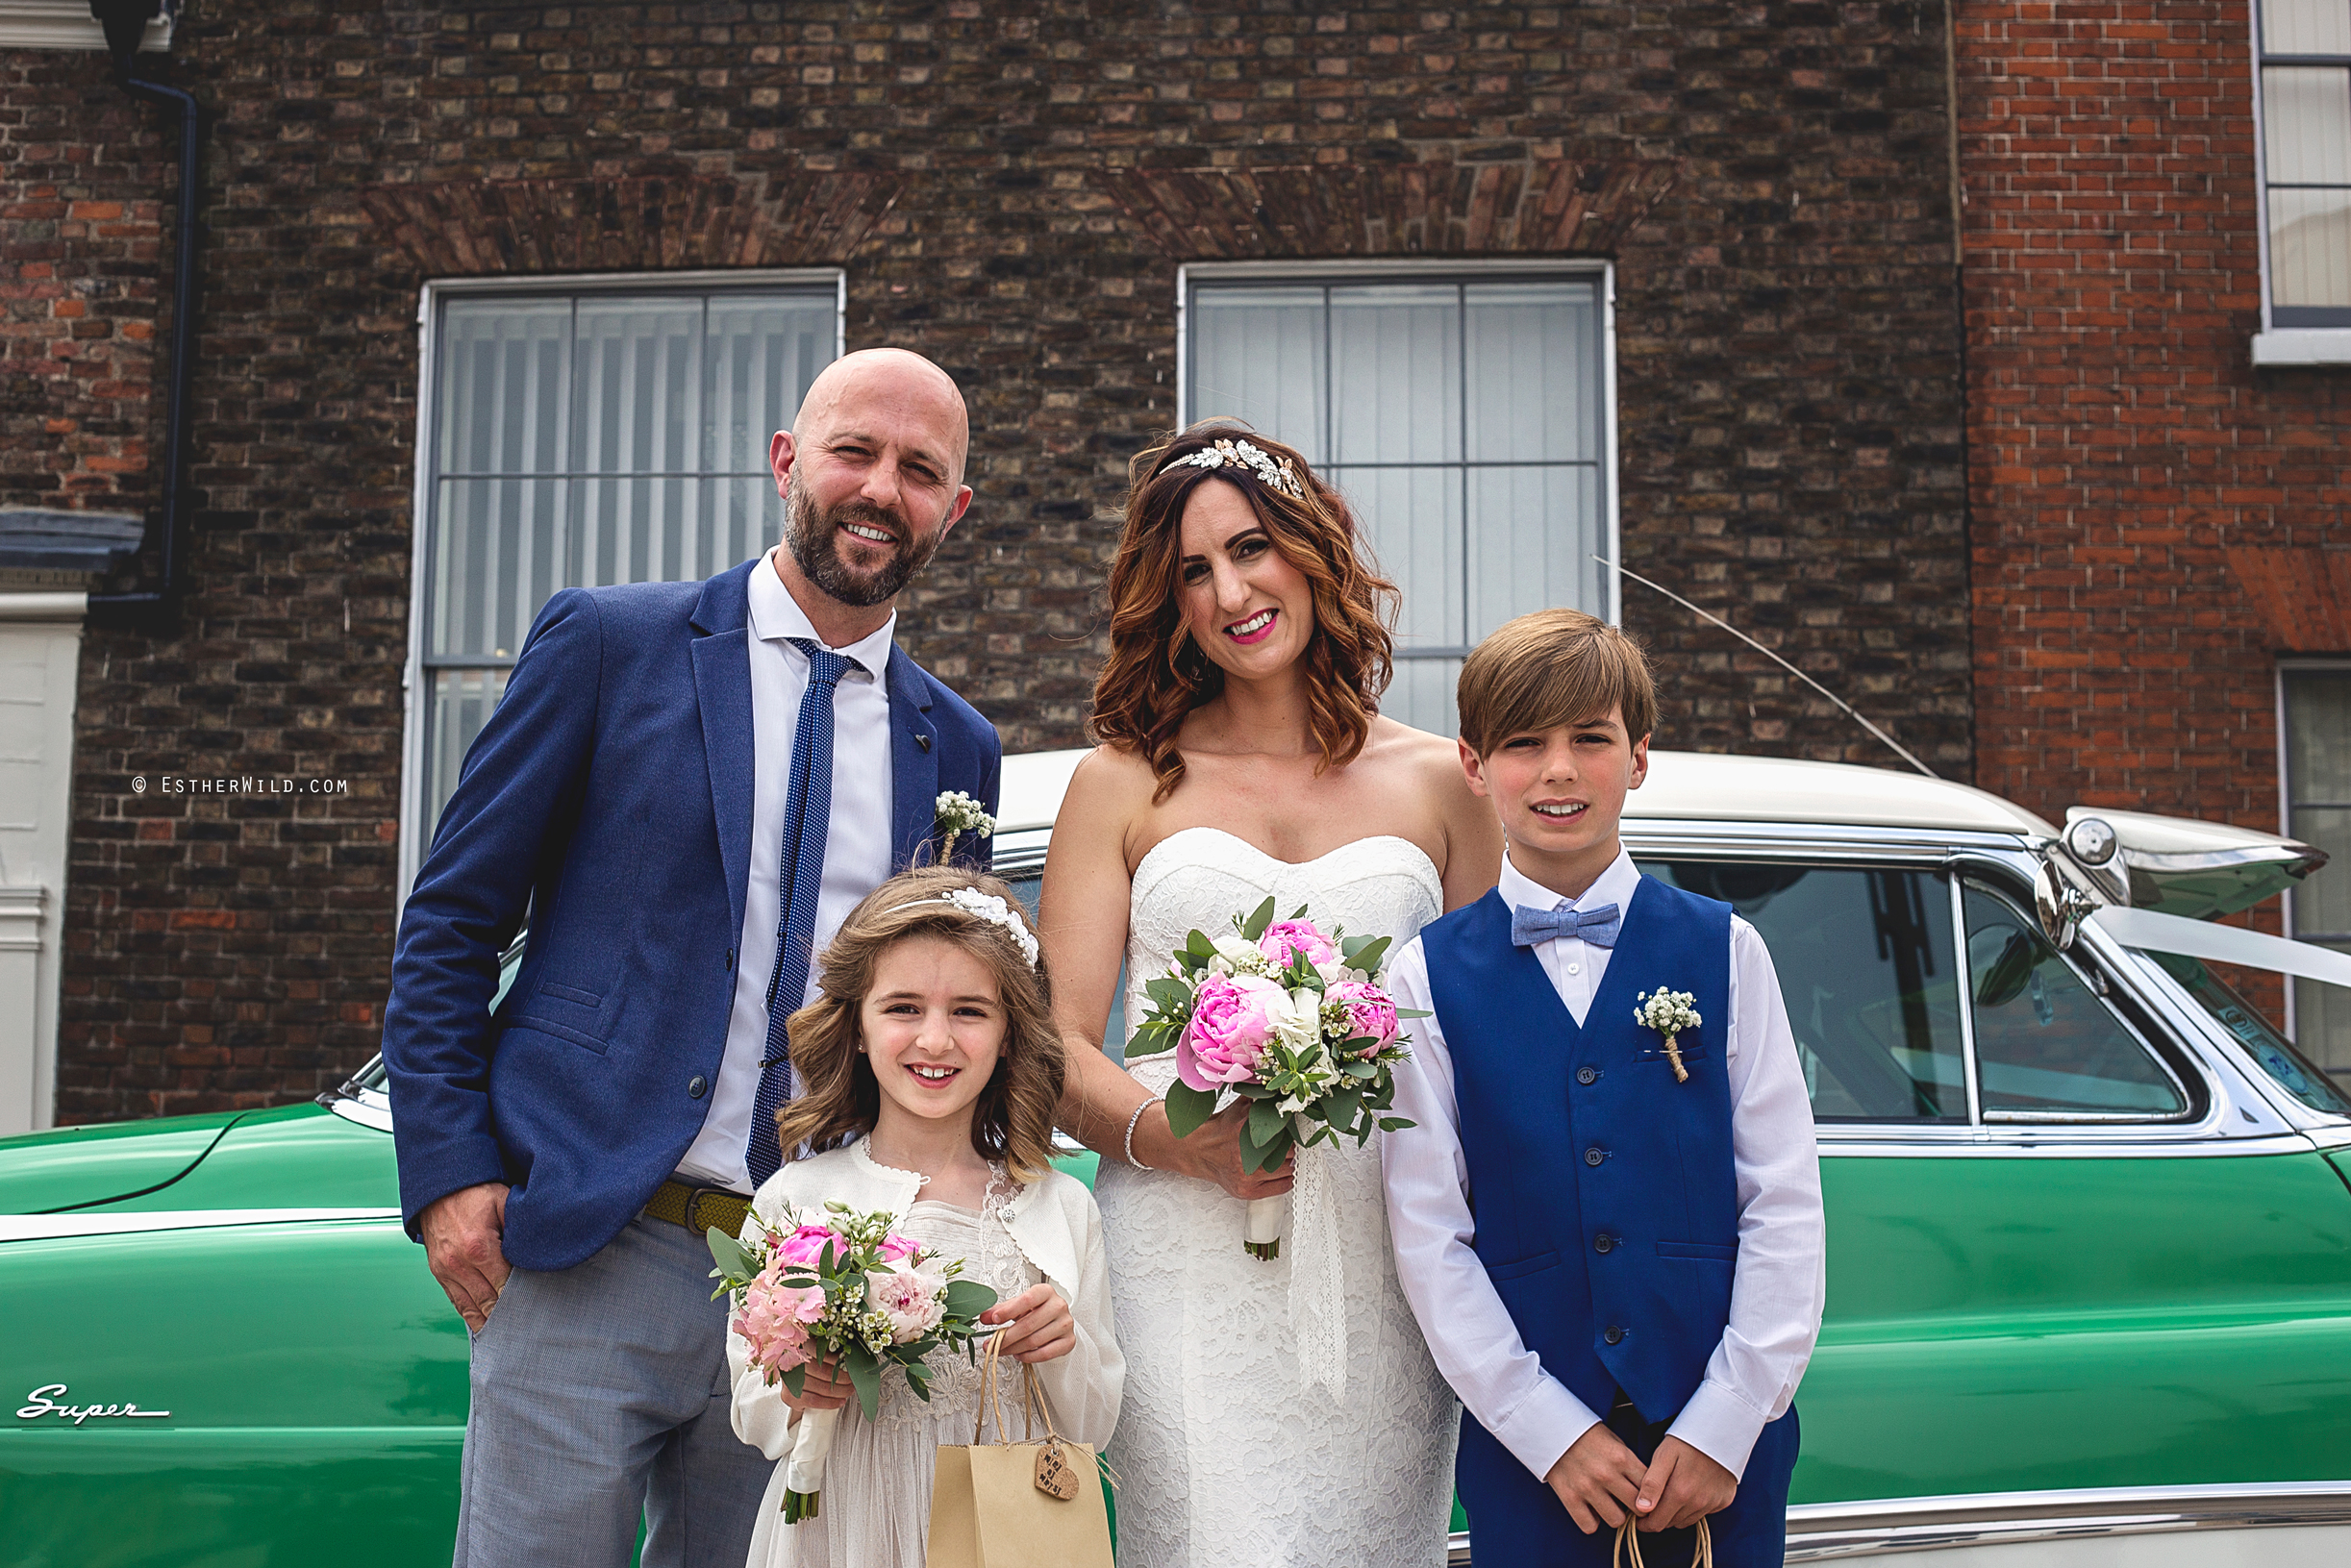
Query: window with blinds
[(2306, 158), (1465, 418), (2316, 710), (584, 436)]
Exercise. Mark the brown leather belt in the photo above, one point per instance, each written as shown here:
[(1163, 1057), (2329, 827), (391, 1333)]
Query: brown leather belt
[(699, 1208)]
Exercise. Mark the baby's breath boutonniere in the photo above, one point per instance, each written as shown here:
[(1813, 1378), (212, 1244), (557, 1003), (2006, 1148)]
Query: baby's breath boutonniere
[(955, 814), (1669, 1012)]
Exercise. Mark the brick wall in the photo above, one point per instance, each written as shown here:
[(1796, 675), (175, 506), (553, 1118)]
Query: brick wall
[(85, 179), (2122, 447), (1011, 186)]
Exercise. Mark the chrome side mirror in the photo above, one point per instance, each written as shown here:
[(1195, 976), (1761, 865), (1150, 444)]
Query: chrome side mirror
[(2060, 906)]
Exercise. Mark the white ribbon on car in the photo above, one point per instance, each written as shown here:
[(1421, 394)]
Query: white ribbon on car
[(2222, 944)]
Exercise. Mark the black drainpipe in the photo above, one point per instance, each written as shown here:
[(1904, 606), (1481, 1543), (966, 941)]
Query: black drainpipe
[(126, 22)]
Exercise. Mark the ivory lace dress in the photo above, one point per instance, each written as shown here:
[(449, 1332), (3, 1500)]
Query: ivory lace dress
[(876, 1511), (1281, 1414)]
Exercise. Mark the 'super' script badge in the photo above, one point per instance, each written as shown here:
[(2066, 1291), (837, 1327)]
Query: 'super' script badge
[(44, 1401)]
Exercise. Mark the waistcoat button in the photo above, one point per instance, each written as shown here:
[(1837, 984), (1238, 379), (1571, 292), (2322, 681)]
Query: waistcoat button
[(696, 1086), (1587, 1075), (1603, 1242), (1594, 1154), (1612, 1334)]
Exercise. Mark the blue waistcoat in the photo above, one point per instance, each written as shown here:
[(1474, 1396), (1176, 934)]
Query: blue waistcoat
[(1606, 1206)]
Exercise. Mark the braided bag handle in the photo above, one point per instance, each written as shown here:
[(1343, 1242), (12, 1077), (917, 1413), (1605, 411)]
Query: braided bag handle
[(1628, 1544)]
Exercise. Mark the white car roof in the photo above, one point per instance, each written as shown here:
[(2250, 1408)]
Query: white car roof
[(1683, 785)]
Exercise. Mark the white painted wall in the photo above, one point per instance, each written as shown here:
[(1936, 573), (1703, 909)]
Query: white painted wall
[(41, 650)]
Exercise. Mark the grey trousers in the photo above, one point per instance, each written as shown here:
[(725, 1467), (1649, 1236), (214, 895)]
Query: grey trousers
[(600, 1397)]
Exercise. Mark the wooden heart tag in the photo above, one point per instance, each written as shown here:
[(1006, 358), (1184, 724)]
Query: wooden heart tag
[(1053, 1474)]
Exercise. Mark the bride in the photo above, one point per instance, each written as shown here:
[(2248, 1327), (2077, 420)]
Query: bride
[(1285, 1412)]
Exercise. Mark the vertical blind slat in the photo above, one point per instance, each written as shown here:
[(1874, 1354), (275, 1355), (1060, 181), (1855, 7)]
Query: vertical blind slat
[(622, 407)]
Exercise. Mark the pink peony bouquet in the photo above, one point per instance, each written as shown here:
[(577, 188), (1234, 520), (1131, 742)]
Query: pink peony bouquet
[(1286, 1017), (847, 1287)]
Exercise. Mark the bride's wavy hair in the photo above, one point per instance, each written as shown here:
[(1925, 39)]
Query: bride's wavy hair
[(1156, 674), (841, 1099)]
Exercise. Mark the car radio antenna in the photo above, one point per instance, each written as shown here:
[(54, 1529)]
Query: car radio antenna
[(1904, 751)]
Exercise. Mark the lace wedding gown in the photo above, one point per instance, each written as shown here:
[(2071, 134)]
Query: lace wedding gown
[(1259, 1430)]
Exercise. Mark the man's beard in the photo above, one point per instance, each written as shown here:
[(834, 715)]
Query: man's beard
[(815, 543)]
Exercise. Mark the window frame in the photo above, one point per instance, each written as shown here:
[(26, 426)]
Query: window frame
[(1994, 865), (2095, 980), (2276, 345), (2285, 808), (1353, 270), (415, 833)]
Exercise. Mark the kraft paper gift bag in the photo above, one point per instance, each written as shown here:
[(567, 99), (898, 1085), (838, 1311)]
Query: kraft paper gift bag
[(1026, 1504)]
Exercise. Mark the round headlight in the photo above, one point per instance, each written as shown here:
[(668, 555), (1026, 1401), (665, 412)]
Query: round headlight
[(2091, 841)]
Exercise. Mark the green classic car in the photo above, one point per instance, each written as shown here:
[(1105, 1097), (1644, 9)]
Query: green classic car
[(2089, 1223)]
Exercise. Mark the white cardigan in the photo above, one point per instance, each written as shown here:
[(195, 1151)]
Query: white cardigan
[(1053, 1222)]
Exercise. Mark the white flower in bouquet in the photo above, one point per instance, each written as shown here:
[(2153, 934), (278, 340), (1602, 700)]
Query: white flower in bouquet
[(912, 1301), (1237, 954)]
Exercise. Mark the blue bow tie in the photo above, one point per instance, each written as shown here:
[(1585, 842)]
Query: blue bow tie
[(1597, 926)]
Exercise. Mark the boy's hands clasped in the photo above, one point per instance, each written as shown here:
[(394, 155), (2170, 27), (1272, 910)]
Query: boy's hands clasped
[(1599, 1479)]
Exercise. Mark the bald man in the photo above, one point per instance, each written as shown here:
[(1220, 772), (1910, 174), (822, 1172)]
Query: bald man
[(685, 789)]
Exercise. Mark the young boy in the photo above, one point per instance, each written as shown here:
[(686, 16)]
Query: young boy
[(1619, 1270)]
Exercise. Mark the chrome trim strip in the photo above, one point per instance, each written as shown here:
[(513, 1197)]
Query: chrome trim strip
[(1972, 1075), (60, 1227), (2019, 1142), (1824, 1532), (367, 1108)]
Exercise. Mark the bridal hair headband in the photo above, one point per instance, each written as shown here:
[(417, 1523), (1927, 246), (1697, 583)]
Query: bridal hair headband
[(989, 907), (1274, 473)]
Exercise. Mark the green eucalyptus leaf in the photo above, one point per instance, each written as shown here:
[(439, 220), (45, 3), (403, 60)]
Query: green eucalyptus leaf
[(1396, 1123), (734, 1262), (1171, 993), (1188, 1107), (968, 1298), (1265, 1123), (867, 1374), (794, 1380), (1258, 919), (1368, 955)]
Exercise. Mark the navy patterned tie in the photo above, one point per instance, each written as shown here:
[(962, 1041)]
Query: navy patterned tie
[(807, 813)]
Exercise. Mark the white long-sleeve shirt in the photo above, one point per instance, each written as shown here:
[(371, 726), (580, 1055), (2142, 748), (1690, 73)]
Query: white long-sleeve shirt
[(856, 851), (1780, 1282)]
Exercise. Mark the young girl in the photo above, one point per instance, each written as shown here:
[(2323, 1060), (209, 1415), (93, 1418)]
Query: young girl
[(934, 1040)]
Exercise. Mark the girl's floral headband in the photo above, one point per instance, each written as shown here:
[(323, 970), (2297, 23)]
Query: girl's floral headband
[(989, 907)]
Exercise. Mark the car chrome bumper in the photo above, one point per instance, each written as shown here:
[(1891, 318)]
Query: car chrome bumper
[(1825, 1532)]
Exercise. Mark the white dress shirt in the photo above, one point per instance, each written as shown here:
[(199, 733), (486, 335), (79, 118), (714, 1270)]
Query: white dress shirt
[(1777, 1291), (855, 852)]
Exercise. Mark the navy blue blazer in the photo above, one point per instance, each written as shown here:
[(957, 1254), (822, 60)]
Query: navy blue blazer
[(609, 800)]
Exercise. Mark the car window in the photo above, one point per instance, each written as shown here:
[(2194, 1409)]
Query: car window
[(1115, 1027), (1865, 963), (2049, 1048), (2292, 1070)]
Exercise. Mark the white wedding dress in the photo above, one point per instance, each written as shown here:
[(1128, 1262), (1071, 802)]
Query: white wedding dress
[(1233, 1448)]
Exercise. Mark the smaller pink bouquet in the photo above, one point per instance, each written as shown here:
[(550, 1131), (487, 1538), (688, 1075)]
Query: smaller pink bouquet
[(1281, 1013), (846, 1286)]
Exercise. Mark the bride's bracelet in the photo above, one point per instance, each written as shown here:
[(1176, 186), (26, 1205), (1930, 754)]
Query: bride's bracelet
[(1130, 1121)]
